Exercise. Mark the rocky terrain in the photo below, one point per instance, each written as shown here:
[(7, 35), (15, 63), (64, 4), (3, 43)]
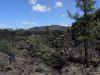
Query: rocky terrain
[(26, 65), (23, 65), (53, 49)]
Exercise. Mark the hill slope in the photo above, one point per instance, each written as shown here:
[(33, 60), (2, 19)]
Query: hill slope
[(51, 27)]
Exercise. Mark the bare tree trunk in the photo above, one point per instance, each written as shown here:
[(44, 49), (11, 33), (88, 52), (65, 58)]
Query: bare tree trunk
[(86, 53)]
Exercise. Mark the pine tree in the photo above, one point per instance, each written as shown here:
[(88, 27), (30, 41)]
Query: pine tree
[(87, 7)]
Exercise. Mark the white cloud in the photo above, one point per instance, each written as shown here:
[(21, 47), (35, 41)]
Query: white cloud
[(40, 8), (63, 24), (58, 4), (2, 26), (28, 23), (63, 15), (33, 1)]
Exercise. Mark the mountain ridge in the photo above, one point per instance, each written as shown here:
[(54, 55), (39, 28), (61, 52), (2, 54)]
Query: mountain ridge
[(51, 27)]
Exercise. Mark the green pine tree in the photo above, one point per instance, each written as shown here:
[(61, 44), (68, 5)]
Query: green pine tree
[(87, 7)]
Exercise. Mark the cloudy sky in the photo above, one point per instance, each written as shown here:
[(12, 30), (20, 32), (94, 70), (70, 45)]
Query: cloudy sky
[(30, 13)]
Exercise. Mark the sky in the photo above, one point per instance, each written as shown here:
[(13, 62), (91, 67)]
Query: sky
[(32, 13)]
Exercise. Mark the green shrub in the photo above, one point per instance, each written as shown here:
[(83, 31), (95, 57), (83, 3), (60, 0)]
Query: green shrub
[(7, 48), (36, 39), (47, 54), (42, 50)]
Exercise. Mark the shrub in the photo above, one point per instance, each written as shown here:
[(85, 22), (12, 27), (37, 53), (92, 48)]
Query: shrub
[(41, 48), (39, 43), (47, 54), (6, 48)]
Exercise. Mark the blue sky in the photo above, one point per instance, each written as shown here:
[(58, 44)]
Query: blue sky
[(31, 13)]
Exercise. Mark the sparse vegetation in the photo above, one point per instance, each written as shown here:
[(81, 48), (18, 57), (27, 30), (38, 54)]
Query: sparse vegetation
[(60, 50), (7, 48)]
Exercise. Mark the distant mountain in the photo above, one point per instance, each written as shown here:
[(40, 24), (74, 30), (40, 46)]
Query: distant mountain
[(51, 27)]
